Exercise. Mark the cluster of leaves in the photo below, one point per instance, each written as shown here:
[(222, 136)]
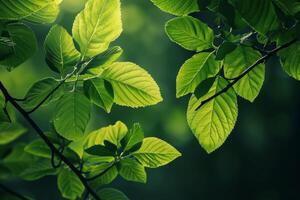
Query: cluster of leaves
[(232, 44), (87, 74)]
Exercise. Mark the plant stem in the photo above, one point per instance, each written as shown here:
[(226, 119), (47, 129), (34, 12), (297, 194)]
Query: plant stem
[(8, 190), (236, 79), (39, 131)]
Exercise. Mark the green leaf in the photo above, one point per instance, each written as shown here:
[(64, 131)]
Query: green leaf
[(61, 54), (100, 150), (290, 60), (132, 85), (131, 170), (289, 7), (259, 14), (25, 44), (10, 132), (155, 152), (106, 178), (177, 7), (106, 58), (204, 87), (213, 122), (72, 115), (237, 62), (112, 194), (100, 92), (40, 90), (38, 148), (38, 169), (195, 70), (112, 133), (133, 138), (69, 184), (39, 11), (97, 25), (224, 49), (190, 33)]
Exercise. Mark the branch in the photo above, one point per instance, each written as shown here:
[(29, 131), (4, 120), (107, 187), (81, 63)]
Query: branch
[(8, 190), (236, 79), (39, 131)]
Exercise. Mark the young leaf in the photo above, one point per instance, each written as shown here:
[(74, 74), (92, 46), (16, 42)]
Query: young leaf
[(259, 14), (113, 133), (61, 54), (100, 92), (38, 169), (72, 115), (177, 7), (132, 85), (97, 25), (131, 170), (69, 184), (134, 137), (155, 152), (25, 44), (195, 70), (290, 60), (40, 90), (38, 148), (99, 150), (38, 11), (106, 58), (214, 121), (10, 132), (237, 62), (190, 33)]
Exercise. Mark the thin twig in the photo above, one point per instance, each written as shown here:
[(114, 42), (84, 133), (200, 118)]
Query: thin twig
[(48, 142), (236, 79), (10, 191)]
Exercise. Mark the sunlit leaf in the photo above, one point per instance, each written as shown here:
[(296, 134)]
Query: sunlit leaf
[(177, 7), (131, 170)]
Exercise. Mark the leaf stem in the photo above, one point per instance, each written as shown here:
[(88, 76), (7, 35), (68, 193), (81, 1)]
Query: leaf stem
[(40, 132), (251, 67)]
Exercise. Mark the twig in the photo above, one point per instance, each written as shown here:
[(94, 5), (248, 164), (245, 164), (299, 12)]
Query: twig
[(236, 79), (48, 142), (8, 190)]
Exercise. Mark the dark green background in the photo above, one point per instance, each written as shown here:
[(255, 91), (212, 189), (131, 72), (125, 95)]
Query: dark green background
[(259, 160)]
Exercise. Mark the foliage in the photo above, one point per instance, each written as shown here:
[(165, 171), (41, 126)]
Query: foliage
[(232, 43), (84, 162)]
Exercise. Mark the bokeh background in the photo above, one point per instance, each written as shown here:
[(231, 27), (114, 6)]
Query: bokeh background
[(260, 159)]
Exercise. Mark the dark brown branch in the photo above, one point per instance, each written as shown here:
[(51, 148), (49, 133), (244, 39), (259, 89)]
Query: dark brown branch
[(13, 193), (39, 131), (236, 79)]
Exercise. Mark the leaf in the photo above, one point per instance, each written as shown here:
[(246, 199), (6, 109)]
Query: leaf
[(72, 115), (203, 88), (236, 63), (39, 11), (99, 150), (10, 132), (61, 54), (97, 25), (195, 70), (289, 7), (213, 122), (106, 178), (69, 184), (290, 62), (25, 44), (155, 152), (38, 148), (112, 133), (40, 90), (131, 170), (190, 33), (259, 14), (132, 85), (38, 169), (134, 137), (177, 7), (224, 49), (106, 58), (100, 92)]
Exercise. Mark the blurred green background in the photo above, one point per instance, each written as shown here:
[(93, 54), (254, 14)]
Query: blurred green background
[(260, 159)]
